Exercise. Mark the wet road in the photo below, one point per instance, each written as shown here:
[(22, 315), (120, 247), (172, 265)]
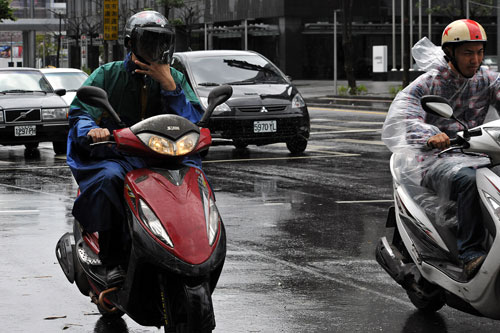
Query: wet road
[(301, 234)]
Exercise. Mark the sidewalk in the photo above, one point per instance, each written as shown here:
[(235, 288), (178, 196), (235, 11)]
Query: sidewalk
[(321, 93)]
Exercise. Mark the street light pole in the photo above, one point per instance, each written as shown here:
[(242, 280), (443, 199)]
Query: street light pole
[(335, 51), (429, 21), (393, 35)]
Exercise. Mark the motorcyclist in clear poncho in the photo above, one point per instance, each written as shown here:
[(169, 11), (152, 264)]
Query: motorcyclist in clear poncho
[(416, 137)]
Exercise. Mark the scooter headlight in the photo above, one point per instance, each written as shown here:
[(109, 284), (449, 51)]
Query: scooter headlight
[(153, 223), (494, 132), (165, 146), (212, 219)]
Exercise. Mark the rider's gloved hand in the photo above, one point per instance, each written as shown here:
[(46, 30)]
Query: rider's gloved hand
[(440, 141)]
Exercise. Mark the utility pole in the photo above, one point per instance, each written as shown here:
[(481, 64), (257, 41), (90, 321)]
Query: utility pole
[(406, 46)]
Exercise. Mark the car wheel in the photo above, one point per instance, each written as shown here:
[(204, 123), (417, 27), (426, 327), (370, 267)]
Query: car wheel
[(59, 147), (31, 146), (297, 145), (239, 144)]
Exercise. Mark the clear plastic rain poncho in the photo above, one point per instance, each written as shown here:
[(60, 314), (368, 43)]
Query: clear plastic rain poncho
[(408, 127)]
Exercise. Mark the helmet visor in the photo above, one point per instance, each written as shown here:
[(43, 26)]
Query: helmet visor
[(152, 43)]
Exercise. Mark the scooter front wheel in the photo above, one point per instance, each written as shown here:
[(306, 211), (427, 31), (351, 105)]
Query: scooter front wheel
[(427, 304)]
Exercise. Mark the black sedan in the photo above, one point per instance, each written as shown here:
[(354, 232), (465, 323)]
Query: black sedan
[(31, 111), (265, 107)]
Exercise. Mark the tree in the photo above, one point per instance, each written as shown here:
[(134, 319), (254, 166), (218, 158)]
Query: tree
[(347, 45), (6, 12), (456, 9), (189, 16), (170, 4)]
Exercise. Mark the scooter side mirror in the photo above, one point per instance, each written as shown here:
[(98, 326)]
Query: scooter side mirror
[(97, 97), (437, 105), (216, 97), (440, 106)]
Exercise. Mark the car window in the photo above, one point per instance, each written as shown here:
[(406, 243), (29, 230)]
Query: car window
[(178, 65), (18, 81), (234, 69), (69, 81)]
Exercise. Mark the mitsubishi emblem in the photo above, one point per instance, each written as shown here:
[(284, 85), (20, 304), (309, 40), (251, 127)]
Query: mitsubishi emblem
[(263, 109)]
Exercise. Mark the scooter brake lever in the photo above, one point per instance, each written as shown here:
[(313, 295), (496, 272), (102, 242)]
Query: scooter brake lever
[(463, 146)]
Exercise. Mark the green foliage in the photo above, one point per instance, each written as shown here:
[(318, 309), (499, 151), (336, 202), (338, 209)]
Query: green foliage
[(394, 90), (50, 46), (86, 70), (6, 12), (359, 90), (455, 9), (176, 21)]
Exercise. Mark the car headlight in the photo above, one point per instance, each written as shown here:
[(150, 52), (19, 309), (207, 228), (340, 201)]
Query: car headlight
[(298, 102), (219, 108), (55, 114), (153, 223), (165, 146)]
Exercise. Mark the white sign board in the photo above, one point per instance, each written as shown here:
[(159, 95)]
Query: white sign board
[(379, 58)]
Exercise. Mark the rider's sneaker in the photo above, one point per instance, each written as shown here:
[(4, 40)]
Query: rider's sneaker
[(472, 266), (110, 276)]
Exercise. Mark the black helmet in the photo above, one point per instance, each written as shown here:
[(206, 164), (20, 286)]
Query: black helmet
[(150, 36)]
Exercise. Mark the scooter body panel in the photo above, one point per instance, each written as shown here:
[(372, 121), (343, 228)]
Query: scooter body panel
[(180, 199), (482, 292)]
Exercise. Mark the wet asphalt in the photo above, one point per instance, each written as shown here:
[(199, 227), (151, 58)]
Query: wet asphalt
[(301, 232)]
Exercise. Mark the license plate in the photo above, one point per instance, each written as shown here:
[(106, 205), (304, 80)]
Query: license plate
[(25, 130), (268, 126)]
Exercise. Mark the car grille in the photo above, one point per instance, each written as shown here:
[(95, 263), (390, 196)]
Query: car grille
[(22, 115), (269, 108)]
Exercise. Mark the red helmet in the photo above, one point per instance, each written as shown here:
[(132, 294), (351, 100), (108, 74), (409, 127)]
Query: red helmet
[(461, 31)]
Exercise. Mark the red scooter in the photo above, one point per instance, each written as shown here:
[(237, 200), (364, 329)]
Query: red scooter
[(178, 241)]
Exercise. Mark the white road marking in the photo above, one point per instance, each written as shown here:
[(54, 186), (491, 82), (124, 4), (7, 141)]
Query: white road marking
[(14, 211), (331, 154), (366, 142), (347, 131), (362, 201)]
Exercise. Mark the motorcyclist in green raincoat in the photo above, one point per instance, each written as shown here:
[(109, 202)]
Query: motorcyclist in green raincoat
[(141, 86)]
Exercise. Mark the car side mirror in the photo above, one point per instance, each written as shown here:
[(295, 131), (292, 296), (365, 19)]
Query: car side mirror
[(97, 97), (216, 97), (60, 92)]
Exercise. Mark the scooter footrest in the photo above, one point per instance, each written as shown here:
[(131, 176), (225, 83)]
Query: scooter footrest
[(86, 255)]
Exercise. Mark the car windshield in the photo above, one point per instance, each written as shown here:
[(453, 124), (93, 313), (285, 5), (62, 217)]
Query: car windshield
[(70, 81), (234, 69), (23, 81)]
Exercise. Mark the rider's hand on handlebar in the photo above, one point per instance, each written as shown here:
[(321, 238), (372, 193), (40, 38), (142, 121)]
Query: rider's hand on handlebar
[(440, 141), (99, 134)]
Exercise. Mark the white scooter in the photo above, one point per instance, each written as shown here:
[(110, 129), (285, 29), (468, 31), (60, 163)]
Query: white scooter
[(422, 256)]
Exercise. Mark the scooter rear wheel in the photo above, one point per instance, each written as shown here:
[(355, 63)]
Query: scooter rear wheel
[(426, 304)]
